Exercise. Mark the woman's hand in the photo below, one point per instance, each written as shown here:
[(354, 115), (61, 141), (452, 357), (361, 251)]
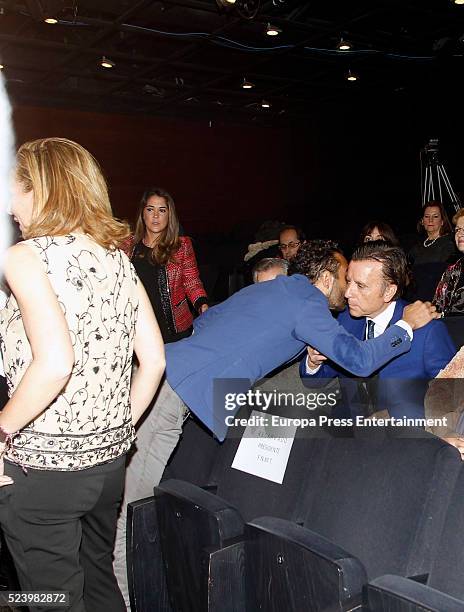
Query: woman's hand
[(203, 308)]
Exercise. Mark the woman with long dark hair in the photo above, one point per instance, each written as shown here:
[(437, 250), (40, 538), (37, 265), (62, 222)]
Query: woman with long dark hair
[(166, 265)]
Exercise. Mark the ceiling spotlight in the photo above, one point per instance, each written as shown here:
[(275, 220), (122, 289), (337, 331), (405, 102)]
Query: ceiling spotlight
[(265, 104), (51, 20), (2, 66), (247, 84), (350, 76), (458, 1), (225, 3), (272, 30), (344, 45), (106, 63)]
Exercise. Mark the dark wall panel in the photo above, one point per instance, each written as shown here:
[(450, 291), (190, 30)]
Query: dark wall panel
[(221, 177)]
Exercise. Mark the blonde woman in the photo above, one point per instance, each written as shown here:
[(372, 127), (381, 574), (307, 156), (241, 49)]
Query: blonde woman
[(75, 315)]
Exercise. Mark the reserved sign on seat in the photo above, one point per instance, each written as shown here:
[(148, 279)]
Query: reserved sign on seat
[(262, 451)]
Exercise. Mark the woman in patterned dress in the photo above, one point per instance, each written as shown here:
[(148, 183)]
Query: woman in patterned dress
[(68, 332)]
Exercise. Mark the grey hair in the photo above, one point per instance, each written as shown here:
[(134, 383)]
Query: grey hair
[(266, 264)]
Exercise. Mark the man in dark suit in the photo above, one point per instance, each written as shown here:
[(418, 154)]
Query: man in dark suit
[(376, 278)]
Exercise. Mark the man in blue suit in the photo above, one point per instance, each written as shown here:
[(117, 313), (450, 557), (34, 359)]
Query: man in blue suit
[(376, 278), (249, 335)]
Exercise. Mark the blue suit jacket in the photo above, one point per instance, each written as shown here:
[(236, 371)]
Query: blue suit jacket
[(403, 380), (260, 328)]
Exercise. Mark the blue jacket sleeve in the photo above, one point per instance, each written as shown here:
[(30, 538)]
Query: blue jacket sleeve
[(325, 371), (317, 327), (439, 349)]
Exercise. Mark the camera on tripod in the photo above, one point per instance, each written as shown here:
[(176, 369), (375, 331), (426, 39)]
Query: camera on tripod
[(434, 179)]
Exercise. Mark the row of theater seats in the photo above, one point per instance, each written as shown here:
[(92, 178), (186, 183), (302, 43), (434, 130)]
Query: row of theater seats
[(370, 522)]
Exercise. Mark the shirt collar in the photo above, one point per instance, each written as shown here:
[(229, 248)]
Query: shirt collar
[(382, 320)]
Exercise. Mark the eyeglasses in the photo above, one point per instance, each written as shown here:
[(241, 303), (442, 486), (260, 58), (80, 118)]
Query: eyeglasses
[(290, 245), (458, 230)]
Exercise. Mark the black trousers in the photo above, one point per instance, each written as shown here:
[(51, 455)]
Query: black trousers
[(60, 529)]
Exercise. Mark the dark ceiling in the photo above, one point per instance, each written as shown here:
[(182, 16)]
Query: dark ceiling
[(188, 58)]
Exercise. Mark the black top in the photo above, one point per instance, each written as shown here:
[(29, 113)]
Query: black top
[(154, 279), (428, 264), (443, 249)]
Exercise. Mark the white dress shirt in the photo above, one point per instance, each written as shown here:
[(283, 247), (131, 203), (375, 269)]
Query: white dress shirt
[(381, 322)]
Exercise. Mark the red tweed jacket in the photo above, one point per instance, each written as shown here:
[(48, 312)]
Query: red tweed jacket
[(184, 282)]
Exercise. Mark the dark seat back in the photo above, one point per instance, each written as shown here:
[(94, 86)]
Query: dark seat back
[(255, 496), (384, 500), (195, 456), (145, 570), (447, 573)]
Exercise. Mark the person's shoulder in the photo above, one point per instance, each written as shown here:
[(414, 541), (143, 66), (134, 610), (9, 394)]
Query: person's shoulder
[(446, 242), (21, 256), (446, 238), (185, 246), (433, 330), (300, 287), (185, 241), (128, 245)]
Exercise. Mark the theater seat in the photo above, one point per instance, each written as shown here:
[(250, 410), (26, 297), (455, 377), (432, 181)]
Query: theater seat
[(196, 442), (145, 570), (444, 587), (396, 594), (201, 538), (380, 508), (370, 506), (202, 533), (292, 568)]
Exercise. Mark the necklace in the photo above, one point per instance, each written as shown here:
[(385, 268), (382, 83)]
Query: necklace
[(428, 241)]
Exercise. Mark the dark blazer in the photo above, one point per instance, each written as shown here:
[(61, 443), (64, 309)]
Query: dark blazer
[(403, 380), (258, 329)]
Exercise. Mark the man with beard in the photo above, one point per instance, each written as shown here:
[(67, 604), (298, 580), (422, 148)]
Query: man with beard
[(375, 281), (241, 340)]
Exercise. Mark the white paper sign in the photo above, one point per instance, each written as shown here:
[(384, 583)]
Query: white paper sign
[(262, 452)]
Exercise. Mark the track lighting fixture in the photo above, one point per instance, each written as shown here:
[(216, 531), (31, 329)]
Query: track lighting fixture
[(106, 63), (344, 45), (351, 76), (225, 3), (272, 30)]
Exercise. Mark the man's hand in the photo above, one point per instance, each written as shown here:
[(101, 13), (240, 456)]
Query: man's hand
[(419, 314), (314, 358), (458, 443)]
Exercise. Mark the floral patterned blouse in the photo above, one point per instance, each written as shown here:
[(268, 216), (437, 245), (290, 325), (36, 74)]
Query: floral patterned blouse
[(89, 423)]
